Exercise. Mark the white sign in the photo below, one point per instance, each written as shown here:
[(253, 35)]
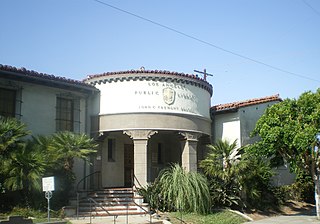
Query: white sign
[(48, 184)]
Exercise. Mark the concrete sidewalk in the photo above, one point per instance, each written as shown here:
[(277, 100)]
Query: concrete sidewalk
[(288, 219), (134, 219)]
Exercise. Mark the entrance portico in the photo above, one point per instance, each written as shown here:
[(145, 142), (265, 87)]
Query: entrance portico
[(140, 151), (160, 116)]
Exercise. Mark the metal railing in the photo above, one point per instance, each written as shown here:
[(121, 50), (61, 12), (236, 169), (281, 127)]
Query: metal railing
[(86, 177), (91, 200), (159, 198), (134, 180), (86, 190)]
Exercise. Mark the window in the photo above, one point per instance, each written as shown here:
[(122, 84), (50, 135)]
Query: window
[(7, 102), (111, 149), (160, 153), (64, 116)]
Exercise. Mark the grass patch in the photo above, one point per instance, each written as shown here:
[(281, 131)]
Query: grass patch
[(223, 217), (36, 215)]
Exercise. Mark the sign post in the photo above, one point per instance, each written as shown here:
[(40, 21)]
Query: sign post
[(48, 187)]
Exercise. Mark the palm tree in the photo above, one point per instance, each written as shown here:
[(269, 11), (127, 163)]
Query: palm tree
[(236, 176), (223, 160), (224, 167), (24, 170), (12, 131), (65, 146), (12, 145)]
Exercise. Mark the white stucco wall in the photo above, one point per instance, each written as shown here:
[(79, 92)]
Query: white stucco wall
[(140, 96), (38, 108), (227, 127)]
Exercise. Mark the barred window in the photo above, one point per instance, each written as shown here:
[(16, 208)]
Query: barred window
[(7, 102), (64, 116)]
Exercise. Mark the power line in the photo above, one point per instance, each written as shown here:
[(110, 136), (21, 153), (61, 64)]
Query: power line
[(311, 7), (208, 43)]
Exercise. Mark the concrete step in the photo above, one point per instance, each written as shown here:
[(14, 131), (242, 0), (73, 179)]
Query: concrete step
[(112, 201)]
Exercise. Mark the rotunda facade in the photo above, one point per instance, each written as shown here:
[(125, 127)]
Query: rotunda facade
[(147, 120)]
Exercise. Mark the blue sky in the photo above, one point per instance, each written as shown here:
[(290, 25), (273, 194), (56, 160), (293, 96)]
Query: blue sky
[(76, 38)]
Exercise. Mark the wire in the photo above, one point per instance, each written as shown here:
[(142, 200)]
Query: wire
[(312, 8), (208, 43)]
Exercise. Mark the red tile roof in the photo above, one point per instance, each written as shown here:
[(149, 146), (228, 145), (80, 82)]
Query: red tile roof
[(239, 104), (142, 74), (33, 75), (164, 72)]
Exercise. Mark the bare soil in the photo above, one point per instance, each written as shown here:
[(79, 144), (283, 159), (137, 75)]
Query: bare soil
[(289, 208)]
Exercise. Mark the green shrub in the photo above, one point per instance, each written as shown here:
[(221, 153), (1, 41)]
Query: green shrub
[(301, 190), (38, 214), (178, 190), (27, 212)]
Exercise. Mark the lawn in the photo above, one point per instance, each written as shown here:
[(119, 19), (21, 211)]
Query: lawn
[(223, 217)]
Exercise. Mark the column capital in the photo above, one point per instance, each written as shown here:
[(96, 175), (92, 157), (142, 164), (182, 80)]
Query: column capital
[(140, 134), (190, 136)]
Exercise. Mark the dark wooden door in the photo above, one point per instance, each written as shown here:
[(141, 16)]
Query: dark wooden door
[(128, 165)]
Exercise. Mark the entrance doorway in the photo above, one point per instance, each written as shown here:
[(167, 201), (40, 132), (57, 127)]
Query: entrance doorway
[(128, 165)]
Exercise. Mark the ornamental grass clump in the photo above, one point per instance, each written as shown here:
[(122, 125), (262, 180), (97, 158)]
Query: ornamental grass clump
[(184, 191)]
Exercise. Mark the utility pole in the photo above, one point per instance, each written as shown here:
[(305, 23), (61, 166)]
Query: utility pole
[(205, 74)]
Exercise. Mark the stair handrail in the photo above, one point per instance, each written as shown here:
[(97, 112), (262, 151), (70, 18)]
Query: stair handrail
[(160, 198), (140, 186), (147, 212), (78, 191), (87, 176), (134, 181), (101, 206)]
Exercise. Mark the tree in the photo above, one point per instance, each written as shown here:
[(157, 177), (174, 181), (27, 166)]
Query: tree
[(24, 170), (223, 166), (21, 166), (64, 148), (236, 177), (289, 130), (12, 132)]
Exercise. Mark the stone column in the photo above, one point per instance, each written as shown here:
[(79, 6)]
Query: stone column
[(189, 150), (140, 142)]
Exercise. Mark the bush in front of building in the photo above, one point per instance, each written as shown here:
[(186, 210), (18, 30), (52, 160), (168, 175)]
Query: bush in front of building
[(237, 178), (175, 189), (301, 190), (24, 161)]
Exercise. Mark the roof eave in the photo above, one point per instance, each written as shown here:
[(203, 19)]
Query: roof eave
[(48, 82)]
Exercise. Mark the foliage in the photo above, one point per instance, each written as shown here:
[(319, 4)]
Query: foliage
[(65, 146), (237, 178), (12, 133), (257, 191), (24, 169), (37, 215), (152, 195), (301, 190), (288, 130), (16, 172), (23, 162), (177, 189), (221, 217), (223, 166)]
